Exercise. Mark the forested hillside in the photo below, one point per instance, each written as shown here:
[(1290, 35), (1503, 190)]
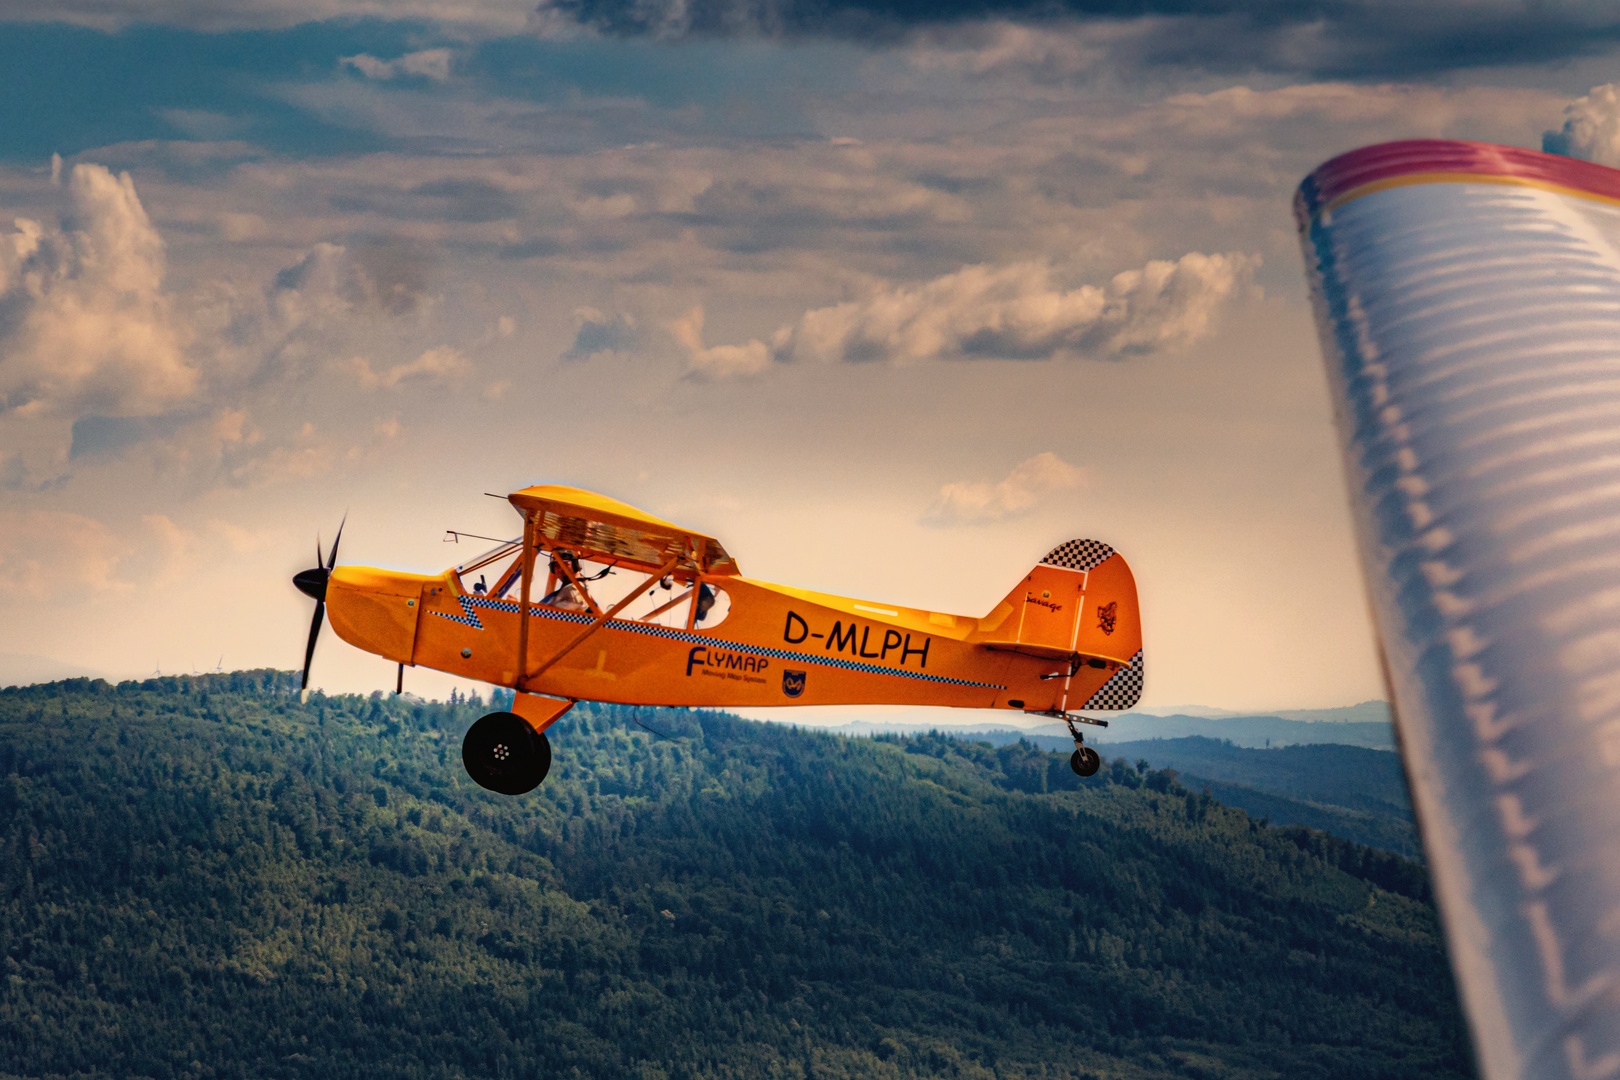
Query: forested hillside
[(201, 877), (1350, 791)]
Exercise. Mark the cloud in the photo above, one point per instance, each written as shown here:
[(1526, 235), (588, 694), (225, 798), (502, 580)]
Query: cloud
[(598, 333), (1591, 128), (49, 553), (103, 361), (1007, 312), (1065, 37), (1029, 484), (204, 125), (441, 364), (305, 456), (722, 361), (331, 279), (85, 323), (242, 541), (107, 436), (427, 64), (489, 16), (44, 553)]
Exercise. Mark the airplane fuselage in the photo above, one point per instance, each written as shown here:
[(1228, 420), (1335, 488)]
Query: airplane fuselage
[(776, 646)]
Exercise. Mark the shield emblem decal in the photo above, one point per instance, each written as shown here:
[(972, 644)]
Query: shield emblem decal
[(792, 683)]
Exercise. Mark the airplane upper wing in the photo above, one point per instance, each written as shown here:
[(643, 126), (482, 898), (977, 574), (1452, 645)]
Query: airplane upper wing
[(594, 526), (1468, 299)]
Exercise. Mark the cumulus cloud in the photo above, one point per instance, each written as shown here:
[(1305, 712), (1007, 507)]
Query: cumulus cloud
[(442, 364), (1018, 311), (47, 553), (721, 361), (1030, 483), (306, 455), (85, 322), (1591, 127), (1011, 312), (427, 64), (596, 332), (332, 279)]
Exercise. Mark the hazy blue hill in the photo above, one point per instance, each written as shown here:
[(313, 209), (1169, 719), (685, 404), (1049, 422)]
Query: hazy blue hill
[(200, 877), (1366, 725), (1367, 712), (1349, 791), (1251, 731)]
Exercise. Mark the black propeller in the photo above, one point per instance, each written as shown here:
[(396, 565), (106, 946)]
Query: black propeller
[(312, 583)]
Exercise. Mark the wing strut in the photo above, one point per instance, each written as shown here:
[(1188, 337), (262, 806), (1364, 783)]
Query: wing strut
[(527, 563), (579, 639)]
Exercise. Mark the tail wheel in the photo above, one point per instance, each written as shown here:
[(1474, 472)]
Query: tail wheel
[(1085, 761), (503, 753)]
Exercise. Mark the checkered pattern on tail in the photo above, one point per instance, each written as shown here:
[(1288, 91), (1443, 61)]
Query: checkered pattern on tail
[(1078, 554), (1121, 691)]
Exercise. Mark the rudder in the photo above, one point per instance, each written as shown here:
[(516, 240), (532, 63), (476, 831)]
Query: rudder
[(1079, 603)]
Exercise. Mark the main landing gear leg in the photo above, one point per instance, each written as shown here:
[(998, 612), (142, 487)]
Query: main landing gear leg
[(1084, 761)]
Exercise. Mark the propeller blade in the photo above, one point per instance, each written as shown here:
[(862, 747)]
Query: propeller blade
[(312, 583), (314, 632), (332, 559)]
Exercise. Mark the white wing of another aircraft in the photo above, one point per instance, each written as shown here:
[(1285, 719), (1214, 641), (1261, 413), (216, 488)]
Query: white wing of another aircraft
[(1468, 298)]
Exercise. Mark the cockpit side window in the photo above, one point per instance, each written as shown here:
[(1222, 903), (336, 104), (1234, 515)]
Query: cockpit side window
[(497, 573)]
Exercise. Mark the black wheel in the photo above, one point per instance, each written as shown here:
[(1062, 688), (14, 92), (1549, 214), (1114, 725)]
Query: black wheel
[(1085, 761), (503, 753)]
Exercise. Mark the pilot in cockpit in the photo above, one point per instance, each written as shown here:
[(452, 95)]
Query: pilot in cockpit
[(705, 602), (566, 596)]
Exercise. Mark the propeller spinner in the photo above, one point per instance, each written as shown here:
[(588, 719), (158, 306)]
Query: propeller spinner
[(312, 583)]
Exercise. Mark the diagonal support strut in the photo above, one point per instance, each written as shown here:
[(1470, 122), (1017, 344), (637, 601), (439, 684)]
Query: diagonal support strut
[(596, 624)]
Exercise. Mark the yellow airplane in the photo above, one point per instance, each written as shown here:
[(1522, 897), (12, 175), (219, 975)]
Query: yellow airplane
[(634, 610)]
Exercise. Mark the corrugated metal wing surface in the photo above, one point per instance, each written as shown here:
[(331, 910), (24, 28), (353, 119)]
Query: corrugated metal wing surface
[(1468, 299)]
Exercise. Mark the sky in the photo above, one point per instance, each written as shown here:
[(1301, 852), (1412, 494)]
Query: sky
[(892, 298)]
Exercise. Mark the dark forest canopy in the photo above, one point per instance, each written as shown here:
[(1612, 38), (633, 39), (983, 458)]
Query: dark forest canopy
[(202, 877)]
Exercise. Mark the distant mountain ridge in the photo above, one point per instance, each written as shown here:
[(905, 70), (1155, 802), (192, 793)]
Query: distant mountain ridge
[(1366, 712), (1248, 731), (1368, 724)]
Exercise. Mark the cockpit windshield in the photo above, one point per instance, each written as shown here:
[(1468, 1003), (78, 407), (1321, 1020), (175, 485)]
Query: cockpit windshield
[(492, 573)]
